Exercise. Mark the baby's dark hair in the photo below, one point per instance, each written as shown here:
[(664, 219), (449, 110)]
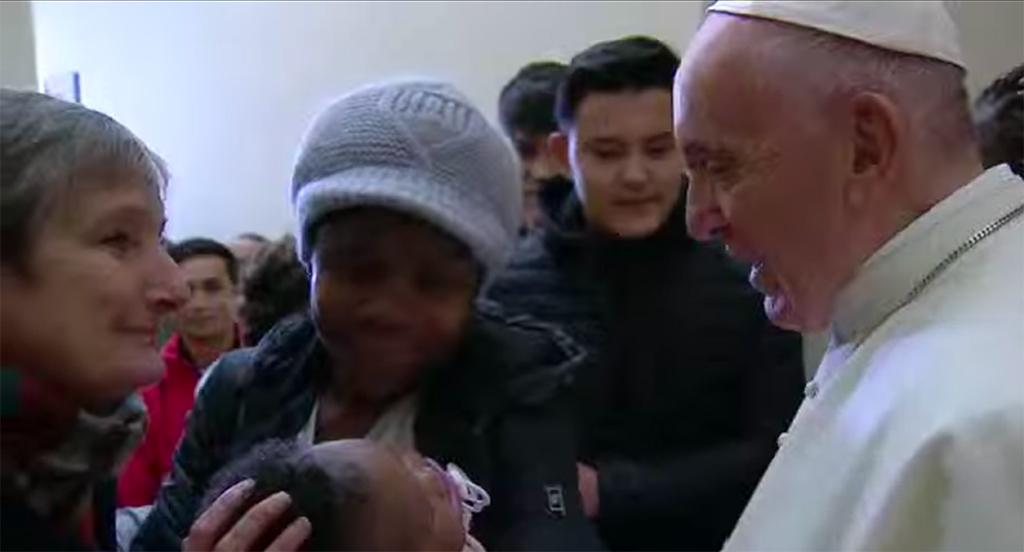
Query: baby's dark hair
[(280, 465)]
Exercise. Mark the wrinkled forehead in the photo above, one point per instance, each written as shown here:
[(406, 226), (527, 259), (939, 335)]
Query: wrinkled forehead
[(98, 193), (725, 90)]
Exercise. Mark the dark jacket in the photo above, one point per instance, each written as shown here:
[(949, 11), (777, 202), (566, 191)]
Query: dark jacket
[(499, 410), (688, 386), (23, 529)]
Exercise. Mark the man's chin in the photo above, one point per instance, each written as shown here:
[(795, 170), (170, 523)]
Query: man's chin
[(204, 333), (780, 312), (637, 228)]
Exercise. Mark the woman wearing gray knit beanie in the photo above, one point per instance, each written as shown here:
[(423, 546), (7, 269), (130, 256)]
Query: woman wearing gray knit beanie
[(407, 201)]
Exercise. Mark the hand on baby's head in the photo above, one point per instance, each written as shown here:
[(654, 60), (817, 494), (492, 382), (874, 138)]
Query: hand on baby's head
[(357, 495), (279, 465)]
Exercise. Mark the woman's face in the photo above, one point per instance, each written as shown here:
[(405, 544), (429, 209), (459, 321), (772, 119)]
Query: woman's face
[(411, 503), (82, 316), (391, 297)]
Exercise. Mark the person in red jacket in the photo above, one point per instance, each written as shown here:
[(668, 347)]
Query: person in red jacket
[(206, 329)]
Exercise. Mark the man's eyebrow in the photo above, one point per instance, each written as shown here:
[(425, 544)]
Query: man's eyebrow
[(695, 149), (603, 141), (660, 137)]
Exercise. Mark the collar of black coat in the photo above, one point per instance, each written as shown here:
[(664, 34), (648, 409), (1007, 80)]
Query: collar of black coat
[(503, 361), (564, 226)]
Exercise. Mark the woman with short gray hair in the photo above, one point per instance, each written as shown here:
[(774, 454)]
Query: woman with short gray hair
[(84, 282)]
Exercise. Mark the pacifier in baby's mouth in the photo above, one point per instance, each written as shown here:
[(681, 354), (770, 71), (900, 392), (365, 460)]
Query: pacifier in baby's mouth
[(472, 497)]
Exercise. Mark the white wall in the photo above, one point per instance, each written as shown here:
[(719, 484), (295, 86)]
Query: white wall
[(17, 55), (224, 91), (992, 38)]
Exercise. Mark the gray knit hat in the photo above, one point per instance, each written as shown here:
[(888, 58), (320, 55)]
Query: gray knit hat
[(419, 147)]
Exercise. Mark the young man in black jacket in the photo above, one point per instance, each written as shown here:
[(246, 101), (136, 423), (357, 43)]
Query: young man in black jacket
[(688, 386), (526, 109)]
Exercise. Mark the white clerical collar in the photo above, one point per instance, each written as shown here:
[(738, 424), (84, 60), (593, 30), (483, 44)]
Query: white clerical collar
[(889, 276)]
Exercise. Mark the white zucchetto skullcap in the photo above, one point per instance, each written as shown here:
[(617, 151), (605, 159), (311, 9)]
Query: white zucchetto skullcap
[(922, 28)]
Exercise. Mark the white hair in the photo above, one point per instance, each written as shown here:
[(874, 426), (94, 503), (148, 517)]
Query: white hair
[(930, 91)]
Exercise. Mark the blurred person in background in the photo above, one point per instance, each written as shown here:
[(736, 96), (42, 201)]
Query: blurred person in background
[(999, 119), (276, 287), (526, 109), (205, 330), (245, 246), (85, 281)]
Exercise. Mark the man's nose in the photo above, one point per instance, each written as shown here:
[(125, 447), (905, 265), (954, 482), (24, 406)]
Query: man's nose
[(704, 218), (635, 172)]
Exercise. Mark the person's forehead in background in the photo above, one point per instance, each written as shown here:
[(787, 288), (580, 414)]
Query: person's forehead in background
[(245, 247)]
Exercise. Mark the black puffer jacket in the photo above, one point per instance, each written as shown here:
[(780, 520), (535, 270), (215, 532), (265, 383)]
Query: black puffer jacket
[(499, 411), (23, 529), (688, 386)]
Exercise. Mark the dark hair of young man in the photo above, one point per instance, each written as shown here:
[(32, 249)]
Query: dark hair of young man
[(631, 64), (201, 247), (253, 237), (526, 105), (999, 118)]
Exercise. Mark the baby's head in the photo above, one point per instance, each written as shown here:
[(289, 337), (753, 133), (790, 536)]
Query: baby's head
[(357, 495)]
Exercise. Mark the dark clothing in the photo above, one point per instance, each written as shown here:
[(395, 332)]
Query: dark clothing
[(23, 529), (688, 386), (57, 488), (499, 410)]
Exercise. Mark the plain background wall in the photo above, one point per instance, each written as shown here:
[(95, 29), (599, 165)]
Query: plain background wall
[(17, 55), (992, 38), (224, 91)]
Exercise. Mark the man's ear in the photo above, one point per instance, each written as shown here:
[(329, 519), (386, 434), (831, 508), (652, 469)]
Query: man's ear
[(879, 130), (558, 143)]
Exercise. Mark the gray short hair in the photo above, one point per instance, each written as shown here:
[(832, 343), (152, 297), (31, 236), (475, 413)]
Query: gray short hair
[(932, 91), (45, 143)]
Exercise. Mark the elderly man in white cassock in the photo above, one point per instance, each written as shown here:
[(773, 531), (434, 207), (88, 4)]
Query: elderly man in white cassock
[(829, 145)]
